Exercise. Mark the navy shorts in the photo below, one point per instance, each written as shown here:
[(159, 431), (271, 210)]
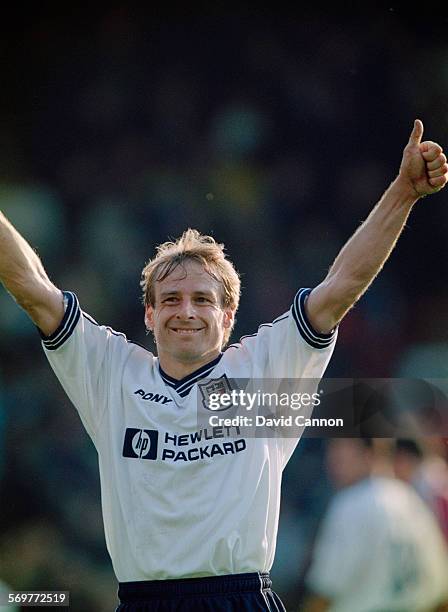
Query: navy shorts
[(233, 593)]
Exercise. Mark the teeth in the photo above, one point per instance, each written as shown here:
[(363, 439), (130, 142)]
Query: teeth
[(186, 331)]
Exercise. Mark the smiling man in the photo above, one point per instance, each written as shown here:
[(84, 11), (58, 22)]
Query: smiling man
[(191, 515), (187, 307)]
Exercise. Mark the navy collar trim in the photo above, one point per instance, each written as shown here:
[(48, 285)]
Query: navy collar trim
[(184, 385)]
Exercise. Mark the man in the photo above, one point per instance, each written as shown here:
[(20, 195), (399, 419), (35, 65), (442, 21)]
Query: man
[(191, 517), (379, 546)]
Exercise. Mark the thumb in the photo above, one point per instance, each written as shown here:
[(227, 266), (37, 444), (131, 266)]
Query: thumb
[(417, 133)]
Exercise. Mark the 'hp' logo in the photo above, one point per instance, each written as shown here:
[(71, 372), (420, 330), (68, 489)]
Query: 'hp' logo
[(140, 443)]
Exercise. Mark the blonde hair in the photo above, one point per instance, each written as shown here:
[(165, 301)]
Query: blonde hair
[(193, 246)]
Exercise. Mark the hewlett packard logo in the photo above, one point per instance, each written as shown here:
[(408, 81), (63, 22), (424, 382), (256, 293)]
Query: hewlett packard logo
[(140, 443)]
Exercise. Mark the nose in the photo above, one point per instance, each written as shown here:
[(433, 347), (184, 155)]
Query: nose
[(186, 310)]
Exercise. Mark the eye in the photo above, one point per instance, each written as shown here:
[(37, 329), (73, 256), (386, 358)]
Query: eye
[(203, 300), (169, 300)]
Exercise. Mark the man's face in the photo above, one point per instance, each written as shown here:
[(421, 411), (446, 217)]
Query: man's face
[(188, 319), (348, 461)]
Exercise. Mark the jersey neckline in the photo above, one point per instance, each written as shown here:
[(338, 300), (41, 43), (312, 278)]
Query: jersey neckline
[(184, 385)]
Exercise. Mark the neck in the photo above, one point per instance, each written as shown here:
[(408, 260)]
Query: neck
[(178, 368)]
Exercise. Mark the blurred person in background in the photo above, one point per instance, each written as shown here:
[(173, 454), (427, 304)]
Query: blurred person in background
[(172, 546), (379, 547), (427, 473)]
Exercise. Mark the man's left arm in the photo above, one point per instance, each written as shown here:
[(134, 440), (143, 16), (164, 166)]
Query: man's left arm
[(423, 171)]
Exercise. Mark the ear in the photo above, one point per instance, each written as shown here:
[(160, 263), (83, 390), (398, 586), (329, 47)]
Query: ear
[(229, 317), (149, 317)]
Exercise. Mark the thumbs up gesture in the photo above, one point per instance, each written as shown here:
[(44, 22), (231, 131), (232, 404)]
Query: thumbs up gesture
[(423, 166)]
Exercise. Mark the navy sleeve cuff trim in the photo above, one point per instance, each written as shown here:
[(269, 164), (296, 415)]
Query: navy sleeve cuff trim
[(68, 324), (306, 330)]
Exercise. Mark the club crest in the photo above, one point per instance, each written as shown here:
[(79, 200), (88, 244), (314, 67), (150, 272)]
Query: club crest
[(213, 386)]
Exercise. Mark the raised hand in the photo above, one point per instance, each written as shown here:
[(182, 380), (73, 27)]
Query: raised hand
[(423, 165)]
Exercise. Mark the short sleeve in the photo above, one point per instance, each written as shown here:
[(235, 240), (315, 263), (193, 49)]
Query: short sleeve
[(82, 354)]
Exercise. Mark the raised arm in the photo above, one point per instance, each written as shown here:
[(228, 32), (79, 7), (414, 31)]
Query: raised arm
[(23, 275), (423, 171)]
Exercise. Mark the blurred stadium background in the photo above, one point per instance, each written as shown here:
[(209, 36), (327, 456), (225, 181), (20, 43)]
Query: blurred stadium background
[(276, 133)]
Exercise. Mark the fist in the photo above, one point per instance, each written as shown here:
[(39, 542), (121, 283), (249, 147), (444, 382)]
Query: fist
[(423, 165)]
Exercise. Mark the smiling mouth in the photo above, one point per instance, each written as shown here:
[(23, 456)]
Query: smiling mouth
[(185, 332)]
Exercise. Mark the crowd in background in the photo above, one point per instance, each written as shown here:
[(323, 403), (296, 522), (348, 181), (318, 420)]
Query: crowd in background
[(276, 134)]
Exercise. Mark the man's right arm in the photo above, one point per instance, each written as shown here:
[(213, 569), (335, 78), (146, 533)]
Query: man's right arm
[(24, 277)]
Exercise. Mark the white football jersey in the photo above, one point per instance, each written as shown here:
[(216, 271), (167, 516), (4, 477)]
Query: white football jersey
[(180, 500), (379, 548)]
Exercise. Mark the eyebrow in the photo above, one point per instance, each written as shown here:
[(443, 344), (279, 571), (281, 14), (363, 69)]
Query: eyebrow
[(165, 294)]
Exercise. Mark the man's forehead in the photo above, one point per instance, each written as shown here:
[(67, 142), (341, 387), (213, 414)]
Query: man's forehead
[(189, 275)]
